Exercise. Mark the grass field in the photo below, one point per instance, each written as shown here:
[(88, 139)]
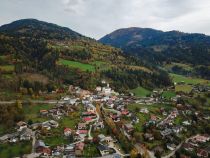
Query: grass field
[(168, 94), (32, 112), (7, 68), (183, 88), (15, 150), (141, 92), (74, 64), (188, 80)]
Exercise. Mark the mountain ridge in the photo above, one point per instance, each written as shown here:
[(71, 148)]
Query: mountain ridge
[(171, 45)]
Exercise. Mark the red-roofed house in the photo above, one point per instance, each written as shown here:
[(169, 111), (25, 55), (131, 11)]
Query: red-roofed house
[(67, 132), (87, 119), (202, 153)]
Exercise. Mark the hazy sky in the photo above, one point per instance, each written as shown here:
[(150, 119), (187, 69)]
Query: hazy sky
[(95, 18)]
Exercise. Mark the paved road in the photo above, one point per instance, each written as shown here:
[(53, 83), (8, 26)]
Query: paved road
[(177, 148), (33, 141), (34, 101)]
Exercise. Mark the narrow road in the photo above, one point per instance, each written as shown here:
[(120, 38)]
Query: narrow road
[(89, 133), (33, 142), (177, 148), (34, 101)]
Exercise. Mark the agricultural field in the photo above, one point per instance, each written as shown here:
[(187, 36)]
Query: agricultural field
[(183, 88), (141, 92), (168, 94), (32, 112), (78, 65), (188, 80), (7, 68)]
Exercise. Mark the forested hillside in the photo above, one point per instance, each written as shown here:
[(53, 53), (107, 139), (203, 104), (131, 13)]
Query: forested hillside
[(33, 50), (160, 47)]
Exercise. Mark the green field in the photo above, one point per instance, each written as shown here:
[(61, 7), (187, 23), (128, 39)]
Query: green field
[(74, 64), (32, 112), (188, 80), (7, 68), (168, 94), (14, 150), (141, 92), (183, 88)]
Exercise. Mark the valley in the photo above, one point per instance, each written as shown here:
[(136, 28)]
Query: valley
[(63, 94)]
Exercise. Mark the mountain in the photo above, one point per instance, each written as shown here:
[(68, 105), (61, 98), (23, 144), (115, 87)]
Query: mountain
[(157, 46), (38, 29), (31, 47)]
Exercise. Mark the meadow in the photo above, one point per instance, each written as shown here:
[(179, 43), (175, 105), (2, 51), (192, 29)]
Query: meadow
[(141, 92)]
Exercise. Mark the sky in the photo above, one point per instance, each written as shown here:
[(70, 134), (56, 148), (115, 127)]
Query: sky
[(96, 18)]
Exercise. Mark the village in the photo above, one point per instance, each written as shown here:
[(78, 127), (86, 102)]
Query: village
[(109, 124)]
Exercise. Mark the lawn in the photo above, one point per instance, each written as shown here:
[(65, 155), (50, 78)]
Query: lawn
[(168, 94), (74, 64), (55, 140), (32, 112), (183, 88), (188, 80), (141, 92), (15, 150)]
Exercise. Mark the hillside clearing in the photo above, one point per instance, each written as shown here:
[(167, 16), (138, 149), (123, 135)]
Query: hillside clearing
[(74, 64), (188, 80), (140, 92)]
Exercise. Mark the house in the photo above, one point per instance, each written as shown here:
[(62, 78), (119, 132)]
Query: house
[(186, 123), (125, 112), (67, 132), (43, 112), (104, 150), (98, 89), (188, 146), (81, 126), (166, 132), (153, 118), (82, 133), (171, 146), (128, 127), (115, 117), (69, 150), (99, 125), (36, 126), (202, 153), (12, 138), (79, 147), (26, 134), (87, 119), (53, 124), (106, 90), (148, 136), (200, 138), (101, 137), (40, 147), (177, 129), (144, 110), (21, 125), (109, 139)]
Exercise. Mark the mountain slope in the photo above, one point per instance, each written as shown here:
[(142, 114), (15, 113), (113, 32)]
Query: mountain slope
[(157, 46), (66, 57), (38, 29)]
